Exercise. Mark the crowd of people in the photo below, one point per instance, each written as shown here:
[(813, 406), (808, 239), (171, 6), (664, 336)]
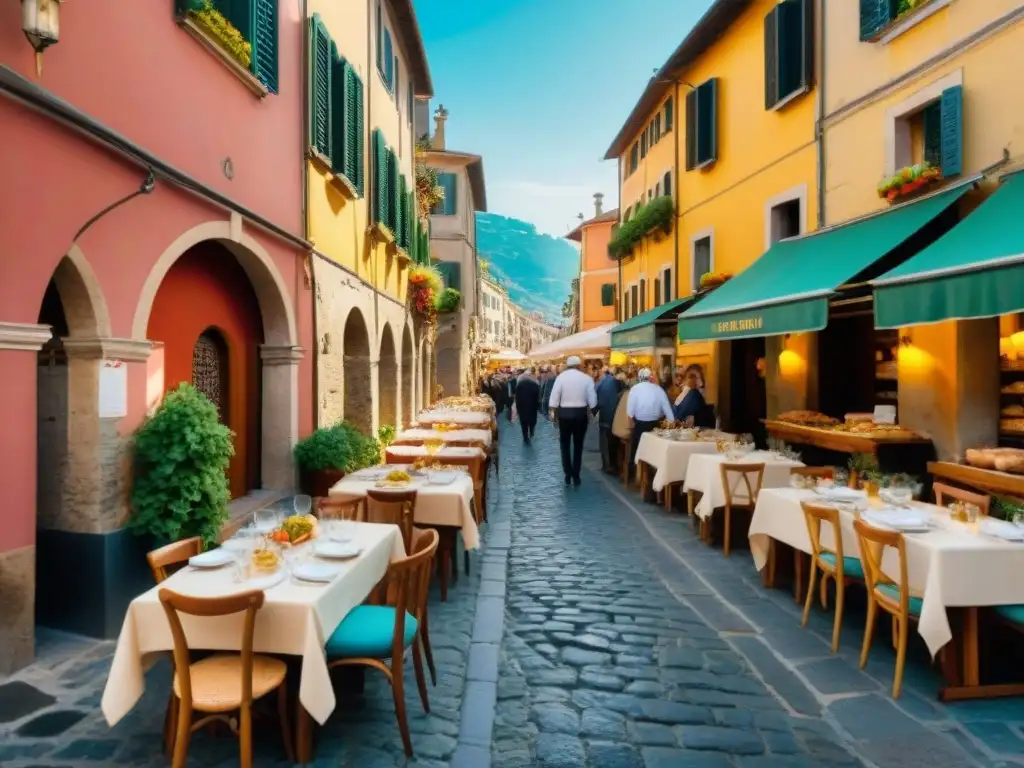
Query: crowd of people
[(626, 401)]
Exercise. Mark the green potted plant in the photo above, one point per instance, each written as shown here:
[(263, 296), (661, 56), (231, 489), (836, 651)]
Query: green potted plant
[(385, 435), (863, 468), (180, 460), (323, 458)]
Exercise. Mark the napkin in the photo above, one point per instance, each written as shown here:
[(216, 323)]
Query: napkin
[(899, 519), (1001, 529)]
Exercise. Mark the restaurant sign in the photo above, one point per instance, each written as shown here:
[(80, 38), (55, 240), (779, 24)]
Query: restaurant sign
[(772, 320), (634, 338)]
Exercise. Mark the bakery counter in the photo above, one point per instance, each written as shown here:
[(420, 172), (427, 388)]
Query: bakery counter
[(897, 451), (978, 478)]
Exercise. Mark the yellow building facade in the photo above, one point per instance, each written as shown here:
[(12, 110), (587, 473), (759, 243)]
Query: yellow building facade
[(951, 64), (742, 151), (367, 69)]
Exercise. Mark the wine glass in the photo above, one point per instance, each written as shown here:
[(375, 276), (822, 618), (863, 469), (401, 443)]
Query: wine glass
[(302, 504), (264, 520)]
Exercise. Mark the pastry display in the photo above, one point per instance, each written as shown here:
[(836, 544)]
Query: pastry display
[(1012, 411), (808, 419), (1016, 388), (1003, 459)]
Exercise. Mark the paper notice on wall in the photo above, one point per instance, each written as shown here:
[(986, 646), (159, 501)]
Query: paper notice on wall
[(113, 389), (885, 414)]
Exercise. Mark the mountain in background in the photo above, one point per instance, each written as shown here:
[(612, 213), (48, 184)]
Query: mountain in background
[(536, 270)]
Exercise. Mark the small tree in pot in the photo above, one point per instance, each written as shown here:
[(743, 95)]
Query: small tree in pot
[(181, 457), (323, 458)]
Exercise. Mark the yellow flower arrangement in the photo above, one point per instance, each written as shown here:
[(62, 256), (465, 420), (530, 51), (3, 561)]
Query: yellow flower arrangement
[(224, 33), (446, 427)]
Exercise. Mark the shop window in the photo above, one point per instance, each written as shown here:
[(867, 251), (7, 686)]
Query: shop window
[(788, 51), (702, 259), (702, 125)]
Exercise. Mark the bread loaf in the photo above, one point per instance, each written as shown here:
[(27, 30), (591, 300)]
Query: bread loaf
[(982, 458)]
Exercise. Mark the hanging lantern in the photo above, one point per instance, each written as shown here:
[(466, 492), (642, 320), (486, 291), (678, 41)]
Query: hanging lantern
[(40, 21)]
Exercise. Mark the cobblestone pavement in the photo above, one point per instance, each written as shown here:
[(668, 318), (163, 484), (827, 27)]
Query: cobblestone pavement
[(628, 643)]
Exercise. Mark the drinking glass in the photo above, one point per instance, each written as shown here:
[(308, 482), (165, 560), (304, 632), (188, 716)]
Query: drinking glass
[(840, 476), (302, 504), (264, 520)]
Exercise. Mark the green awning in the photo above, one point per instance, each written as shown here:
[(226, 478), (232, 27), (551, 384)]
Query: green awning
[(974, 270), (639, 332), (788, 288)]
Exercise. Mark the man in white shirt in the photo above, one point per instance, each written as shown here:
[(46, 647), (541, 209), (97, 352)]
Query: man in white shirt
[(572, 396), (647, 406)]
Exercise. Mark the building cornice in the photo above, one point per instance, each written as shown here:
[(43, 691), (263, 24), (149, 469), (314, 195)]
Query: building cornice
[(28, 337), (96, 348)]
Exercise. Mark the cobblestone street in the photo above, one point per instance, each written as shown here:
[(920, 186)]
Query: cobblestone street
[(594, 631)]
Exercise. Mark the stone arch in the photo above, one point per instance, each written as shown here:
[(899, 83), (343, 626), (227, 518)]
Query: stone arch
[(81, 295), (357, 386), (408, 377), (387, 378)]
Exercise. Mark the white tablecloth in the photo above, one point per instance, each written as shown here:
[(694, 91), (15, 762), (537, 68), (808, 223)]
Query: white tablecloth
[(450, 504), (296, 619), (704, 474), (670, 458), (458, 435), (950, 566), (418, 451), (483, 420)]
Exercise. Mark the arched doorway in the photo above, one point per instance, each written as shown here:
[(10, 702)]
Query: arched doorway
[(387, 378), (358, 394), (408, 376), (208, 318)]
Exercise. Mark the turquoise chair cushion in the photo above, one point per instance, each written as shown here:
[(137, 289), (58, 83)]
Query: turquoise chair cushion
[(1013, 613), (894, 594), (368, 631), (851, 565)]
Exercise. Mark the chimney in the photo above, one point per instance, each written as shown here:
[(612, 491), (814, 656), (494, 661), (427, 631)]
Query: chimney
[(440, 115), (598, 203)]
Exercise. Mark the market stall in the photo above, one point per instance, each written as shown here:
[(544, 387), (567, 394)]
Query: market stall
[(592, 343)]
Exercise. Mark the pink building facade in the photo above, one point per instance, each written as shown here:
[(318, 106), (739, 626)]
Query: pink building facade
[(151, 232)]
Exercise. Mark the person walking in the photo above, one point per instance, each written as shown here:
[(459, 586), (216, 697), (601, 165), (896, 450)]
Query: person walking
[(572, 396), (647, 406), (608, 389), (528, 403)]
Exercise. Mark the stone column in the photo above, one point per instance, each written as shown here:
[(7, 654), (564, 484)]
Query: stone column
[(19, 346), (280, 410)]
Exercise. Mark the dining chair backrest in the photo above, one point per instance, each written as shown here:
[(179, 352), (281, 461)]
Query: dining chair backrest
[(171, 555), (394, 508), (824, 473), (329, 508), (174, 603), (873, 543), (944, 492), (749, 476), (408, 585), (814, 516)]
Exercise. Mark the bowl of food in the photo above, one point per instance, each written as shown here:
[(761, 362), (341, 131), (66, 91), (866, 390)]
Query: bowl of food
[(396, 478), (265, 560), (433, 445), (295, 529)]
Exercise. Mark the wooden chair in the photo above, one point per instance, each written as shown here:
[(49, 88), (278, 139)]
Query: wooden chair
[(831, 562), (894, 598), (378, 636), (170, 555), (944, 493), (331, 508), (393, 507), (822, 473), (751, 475), (223, 683), (423, 539)]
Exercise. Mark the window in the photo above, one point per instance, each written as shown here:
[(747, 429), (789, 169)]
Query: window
[(391, 206), (385, 53), (633, 300), (608, 295), (657, 292), (666, 183), (448, 206), (657, 189), (336, 109), (657, 127), (669, 116), (643, 295), (702, 125), (257, 22), (702, 260), (666, 285), (785, 220), (933, 133), (788, 51), (634, 157), (497, 327), (626, 214), (643, 145)]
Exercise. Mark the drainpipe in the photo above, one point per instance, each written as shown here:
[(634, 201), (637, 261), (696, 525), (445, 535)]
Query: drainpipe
[(304, 174), (618, 307), (820, 127), (369, 126), (674, 291)]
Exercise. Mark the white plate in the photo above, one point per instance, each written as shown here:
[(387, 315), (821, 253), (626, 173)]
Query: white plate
[(903, 520), (339, 550), (840, 493), (442, 478), (313, 571), (1001, 530), (213, 558)]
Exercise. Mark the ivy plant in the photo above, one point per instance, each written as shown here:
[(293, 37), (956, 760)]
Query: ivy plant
[(655, 216), (448, 300), (181, 456)]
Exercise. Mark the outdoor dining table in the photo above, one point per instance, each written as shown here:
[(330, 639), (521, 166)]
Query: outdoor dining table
[(704, 474), (296, 619), (444, 415), (448, 452), (952, 565), (418, 435), (449, 504), (670, 459)]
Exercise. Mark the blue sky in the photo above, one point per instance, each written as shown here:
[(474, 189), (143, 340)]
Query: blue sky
[(541, 87)]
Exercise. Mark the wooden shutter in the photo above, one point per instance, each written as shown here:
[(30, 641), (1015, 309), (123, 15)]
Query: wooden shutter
[(264, 43), (707, 122), (607, 294), (360, 131), (411, 220), (389, 61), (952, 102), (448, 182), (643, 295), (657, 292), (807, 43), (391, 186), (669, 116), (667, 285), (339, 114), (691, 130), (320, 67), (380, 39), (399, 203), (874, 15), (380, 176), (643, 144), (771, 58), (931, 123)]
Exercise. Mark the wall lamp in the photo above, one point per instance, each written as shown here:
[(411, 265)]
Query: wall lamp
[(40, 21)]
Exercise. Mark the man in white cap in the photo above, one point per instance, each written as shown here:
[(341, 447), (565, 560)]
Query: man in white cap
[(647, 406), (572, 396)]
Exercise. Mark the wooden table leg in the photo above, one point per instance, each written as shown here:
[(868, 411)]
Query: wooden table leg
[(303, 735), (968, 686), (768, 572), (971, 675), (691, 503), (798, 576), (668, 497)]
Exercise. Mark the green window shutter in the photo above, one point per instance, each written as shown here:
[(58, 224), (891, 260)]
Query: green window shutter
[(414, 231), (771, 58), (380, 39), (931, 120), (346, 122), (691, 130), (240, 14), (398, 201), (707, 122), (410, 219), (669, 114), (320, 66), (667, 285), (607, 294), (380, 166), (874, 15), (952, 102), (389, 61), (794, 47), (392, 188), (264, 43), (339, 113), (360, 130), (807, 43)]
